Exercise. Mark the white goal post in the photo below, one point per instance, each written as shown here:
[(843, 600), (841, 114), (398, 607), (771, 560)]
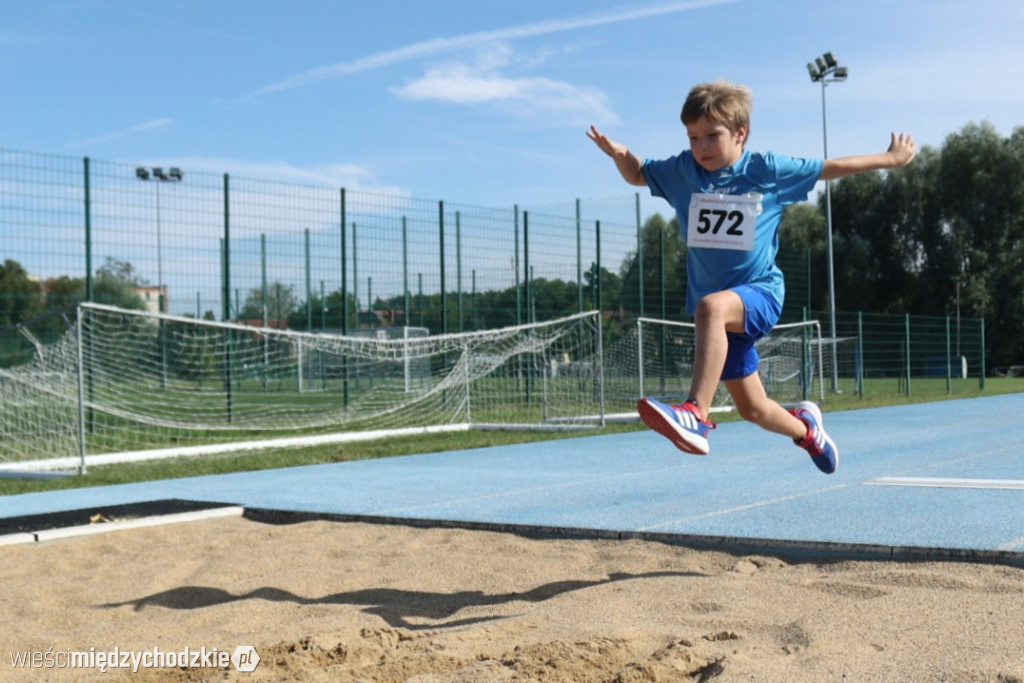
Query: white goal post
[(101, 385), (121, 385), (655, 358)]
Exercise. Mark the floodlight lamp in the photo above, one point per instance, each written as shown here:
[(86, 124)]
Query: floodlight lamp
[(822, 67), (813, 71), (830, 60), (141, 173), (840, 73), (159, 173), (176, 173)]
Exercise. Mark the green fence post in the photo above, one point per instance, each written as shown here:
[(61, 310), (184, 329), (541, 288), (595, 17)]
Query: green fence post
[(662, 329), (526, 263), (458, 270), (949, 361), (527, 294), (226, 249), (805, 358), (440, 228), (405, 274), (981, 357), (640, 254), (906, 339), (662, 276), (808, 276), (88, 229), (519, 295), (860, 354), (579, 258), (355, 270), (344, 272), (600, 302), (265, 309), (309, 288), (264, 294), (87, 351), (226, 295)]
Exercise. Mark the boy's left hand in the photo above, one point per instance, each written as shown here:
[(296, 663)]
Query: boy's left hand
[(902, 149)]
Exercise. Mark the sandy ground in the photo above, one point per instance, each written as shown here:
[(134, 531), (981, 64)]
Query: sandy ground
[(328, 601)]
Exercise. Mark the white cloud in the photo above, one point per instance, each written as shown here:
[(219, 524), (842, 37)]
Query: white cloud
[(350, 176), (463, 84), (482, 82), (152, 124)]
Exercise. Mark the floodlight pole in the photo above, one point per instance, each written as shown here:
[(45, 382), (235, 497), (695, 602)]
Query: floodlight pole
[(826, 69), (159, 174)]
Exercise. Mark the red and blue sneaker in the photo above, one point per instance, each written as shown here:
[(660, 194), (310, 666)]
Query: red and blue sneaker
[(683, 425), (816, 442)]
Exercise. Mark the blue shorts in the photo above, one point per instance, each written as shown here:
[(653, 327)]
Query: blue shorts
[(761, 313)]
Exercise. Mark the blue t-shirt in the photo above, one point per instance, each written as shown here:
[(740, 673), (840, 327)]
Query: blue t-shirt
[(767, 182)]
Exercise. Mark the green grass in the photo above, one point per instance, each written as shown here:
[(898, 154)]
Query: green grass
[(877, 393)]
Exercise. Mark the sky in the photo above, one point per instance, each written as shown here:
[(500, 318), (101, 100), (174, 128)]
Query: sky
[(486, 102)]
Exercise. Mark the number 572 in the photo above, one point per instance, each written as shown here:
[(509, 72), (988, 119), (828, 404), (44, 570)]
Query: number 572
[(712, 220)]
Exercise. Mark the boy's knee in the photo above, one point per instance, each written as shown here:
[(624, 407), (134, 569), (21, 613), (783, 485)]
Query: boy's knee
[(708, 308), (750, 413)]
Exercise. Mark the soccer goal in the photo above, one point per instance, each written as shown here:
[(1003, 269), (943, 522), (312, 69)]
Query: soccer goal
[(119, 385), (655, 358)]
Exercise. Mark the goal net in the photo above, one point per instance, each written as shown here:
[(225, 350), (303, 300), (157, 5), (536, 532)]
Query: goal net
[(655, 358), (116, 385)]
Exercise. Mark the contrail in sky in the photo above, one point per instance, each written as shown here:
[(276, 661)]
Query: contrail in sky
[(439, 45)]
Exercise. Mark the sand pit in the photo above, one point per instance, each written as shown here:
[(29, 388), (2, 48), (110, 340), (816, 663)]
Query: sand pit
[(330, 601)]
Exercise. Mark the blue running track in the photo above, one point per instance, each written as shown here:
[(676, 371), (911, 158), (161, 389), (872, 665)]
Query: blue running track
[(940, 480)]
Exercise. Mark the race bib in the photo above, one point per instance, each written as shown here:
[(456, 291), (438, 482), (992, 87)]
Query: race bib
[(723, 221)]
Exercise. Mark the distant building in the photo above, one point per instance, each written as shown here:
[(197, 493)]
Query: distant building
[(151, 298)]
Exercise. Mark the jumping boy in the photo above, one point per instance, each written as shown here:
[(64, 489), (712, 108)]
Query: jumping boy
[(730, 202)]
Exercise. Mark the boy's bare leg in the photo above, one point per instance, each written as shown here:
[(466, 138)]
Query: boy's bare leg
[(716, 314), (755, 406)]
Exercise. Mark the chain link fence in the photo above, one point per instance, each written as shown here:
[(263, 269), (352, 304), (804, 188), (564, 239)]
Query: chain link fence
[(308, 257)]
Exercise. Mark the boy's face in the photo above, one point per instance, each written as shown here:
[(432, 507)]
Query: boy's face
[(714, 146)]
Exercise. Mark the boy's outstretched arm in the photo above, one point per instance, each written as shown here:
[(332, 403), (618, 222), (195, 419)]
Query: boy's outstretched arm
[(900, 153), (630, 167)]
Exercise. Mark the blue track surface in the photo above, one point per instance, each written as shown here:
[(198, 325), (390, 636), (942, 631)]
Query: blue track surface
[(946, 478)]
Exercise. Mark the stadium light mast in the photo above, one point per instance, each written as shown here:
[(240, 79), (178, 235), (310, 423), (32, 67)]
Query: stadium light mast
[(826, 69), (171, 175)]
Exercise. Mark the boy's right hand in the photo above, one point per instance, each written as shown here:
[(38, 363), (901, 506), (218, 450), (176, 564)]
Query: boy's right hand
[(609, 147), (630, 167)]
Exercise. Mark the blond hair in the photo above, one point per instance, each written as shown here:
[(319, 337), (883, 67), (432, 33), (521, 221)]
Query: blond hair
[(721, 102)]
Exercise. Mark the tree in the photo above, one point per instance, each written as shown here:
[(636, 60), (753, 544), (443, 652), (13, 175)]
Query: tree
[(609, 283), (327, 312), (982, 188), (20, 297), (803, 225), (280, 303), (64, 291), (116, 284), (803, 230), (873, 249), (942, 236), (662, 262), (20, 300)]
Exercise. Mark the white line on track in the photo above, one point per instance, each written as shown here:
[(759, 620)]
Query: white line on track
[(949, 482)]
